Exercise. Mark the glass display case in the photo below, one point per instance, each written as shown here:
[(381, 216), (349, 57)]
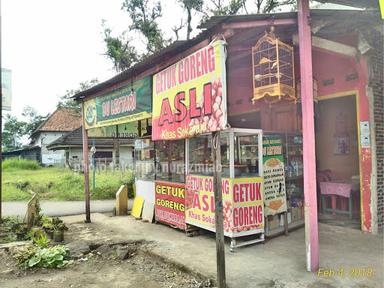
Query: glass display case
[(170, 161), (144, 159), (244, 156), (242, 184)]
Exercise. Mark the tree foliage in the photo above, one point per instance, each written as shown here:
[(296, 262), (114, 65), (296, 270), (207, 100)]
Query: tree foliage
[(119, 50), (33, 120), (14, 129), (273, 5), (144, 15), (67, 102), (190, 6)]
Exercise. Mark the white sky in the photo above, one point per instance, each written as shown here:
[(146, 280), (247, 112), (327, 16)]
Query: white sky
[(53, 45)]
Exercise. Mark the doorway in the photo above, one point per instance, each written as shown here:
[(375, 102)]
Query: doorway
[(337, 162)]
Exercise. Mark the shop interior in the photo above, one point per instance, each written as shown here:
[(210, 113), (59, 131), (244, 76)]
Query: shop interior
[(338, 162)]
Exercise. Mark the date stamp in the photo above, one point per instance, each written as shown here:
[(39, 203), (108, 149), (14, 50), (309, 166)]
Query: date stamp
[(350, 272)]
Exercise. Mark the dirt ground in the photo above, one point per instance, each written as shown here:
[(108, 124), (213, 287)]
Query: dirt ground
[(124, 252), (100, 261)]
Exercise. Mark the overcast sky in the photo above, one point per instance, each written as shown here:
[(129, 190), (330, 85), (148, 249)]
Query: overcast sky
[(53, 45)]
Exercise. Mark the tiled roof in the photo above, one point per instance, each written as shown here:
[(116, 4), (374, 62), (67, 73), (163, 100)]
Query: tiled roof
[(63, 119)]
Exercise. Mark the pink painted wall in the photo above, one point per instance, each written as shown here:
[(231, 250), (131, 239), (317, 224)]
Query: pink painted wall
[(328, 66)]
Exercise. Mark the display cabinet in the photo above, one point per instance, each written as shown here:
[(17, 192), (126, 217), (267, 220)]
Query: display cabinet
[(242, 184)]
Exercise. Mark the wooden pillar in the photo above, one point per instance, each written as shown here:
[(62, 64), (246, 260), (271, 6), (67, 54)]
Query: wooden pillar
[(309, 157), (220, 251), (86, 172)]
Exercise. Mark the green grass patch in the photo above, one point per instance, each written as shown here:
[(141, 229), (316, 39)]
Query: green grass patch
[(60, 184), (19, 164)]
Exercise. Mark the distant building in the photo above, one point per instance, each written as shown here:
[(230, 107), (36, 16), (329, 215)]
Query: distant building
[(60, 122), (30, 152), (107, 150)]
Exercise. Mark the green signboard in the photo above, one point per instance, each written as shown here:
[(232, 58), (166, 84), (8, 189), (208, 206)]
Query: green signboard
[(274, 177), (125, 104)]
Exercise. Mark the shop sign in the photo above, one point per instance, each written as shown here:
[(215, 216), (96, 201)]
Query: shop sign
[(275, 200), (242, 204), (125, 104), (170, 203), (365, 137), (189, 97)]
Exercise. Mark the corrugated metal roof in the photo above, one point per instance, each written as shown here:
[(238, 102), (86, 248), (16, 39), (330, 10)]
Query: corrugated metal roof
[(209, 26), (138, 68)]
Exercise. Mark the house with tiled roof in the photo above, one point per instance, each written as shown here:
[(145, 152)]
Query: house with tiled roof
[(60, 122)]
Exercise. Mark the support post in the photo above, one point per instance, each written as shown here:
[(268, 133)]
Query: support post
[(220, 251), (94, 167), (86, 171), (309, 157)]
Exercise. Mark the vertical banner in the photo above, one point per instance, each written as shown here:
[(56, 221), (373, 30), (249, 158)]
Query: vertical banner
[(274, 178), (242, 205), (190, 97), (6, 89), (170, 203)]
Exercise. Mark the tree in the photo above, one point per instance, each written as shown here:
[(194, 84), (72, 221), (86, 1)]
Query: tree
[(144, 15), (67, 102), (273, 5), (14, 129), (119, 50), (189, 6), (176, 29), (223, 8), (33, 120), (12, 133)]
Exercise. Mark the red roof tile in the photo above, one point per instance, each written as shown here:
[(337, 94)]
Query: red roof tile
[(63, 119)]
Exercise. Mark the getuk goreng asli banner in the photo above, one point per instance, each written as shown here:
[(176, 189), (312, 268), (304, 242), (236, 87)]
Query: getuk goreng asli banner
[(190, 96)]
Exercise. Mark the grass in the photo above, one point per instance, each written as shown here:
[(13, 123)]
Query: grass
[(19, 164), (59, 184)]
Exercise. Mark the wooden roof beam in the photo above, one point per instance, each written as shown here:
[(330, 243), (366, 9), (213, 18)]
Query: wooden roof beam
[(331, 46), (259, 23)]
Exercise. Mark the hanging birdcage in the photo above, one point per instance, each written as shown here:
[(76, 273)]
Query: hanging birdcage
[(273, 70)]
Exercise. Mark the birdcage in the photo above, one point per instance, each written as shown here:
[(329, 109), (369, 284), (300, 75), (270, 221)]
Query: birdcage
[(273, 70)]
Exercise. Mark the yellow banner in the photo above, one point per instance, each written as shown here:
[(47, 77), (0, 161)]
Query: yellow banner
[(190, 97), (243, 206)]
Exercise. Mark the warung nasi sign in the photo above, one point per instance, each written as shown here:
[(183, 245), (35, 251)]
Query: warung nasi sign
[(189, 97)]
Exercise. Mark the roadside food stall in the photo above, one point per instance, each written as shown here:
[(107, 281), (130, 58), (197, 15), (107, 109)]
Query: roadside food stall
[(124, 112), (189, 102)]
